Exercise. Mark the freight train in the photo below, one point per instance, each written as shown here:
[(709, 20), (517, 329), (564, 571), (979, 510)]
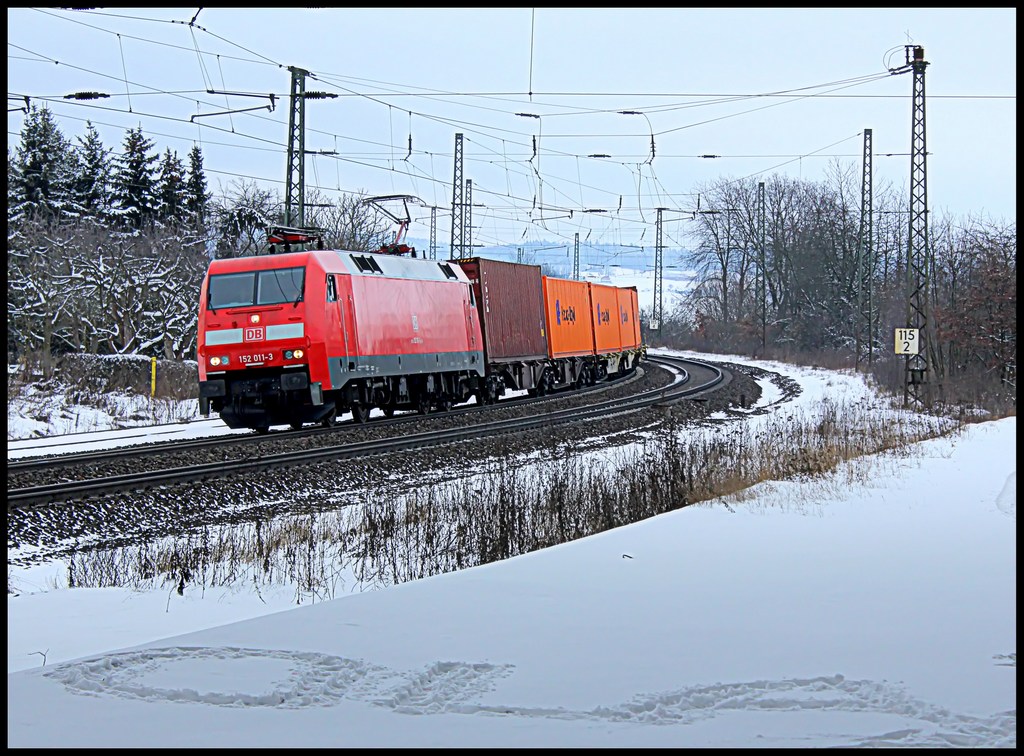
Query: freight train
[(296, 337)]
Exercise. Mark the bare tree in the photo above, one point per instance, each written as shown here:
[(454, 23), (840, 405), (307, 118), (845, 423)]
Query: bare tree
[(242, 216), (38, 270), (349, 223)]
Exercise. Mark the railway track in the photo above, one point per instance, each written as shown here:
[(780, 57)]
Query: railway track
[(51, 480), (266, 440)]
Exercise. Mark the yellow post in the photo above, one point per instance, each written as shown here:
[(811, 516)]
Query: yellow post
[(152, 387)]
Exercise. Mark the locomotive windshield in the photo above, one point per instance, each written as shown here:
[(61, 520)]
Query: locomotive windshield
[(262, 287)]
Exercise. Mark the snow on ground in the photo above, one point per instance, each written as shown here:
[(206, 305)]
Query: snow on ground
[(872, 607)]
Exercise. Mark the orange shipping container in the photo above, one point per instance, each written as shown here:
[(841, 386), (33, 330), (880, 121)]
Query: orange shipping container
[(629, 317), (569, 318), (607, 332)]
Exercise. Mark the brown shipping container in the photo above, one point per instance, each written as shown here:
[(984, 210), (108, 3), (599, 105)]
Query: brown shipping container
[(511, 306), (629, 317), (607, 333), (569, 317)]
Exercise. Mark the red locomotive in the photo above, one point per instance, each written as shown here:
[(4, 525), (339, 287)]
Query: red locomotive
[(303, 337)]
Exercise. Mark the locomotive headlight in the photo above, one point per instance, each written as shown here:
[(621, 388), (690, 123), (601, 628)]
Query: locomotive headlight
[(293, 354), (254, 318), (288, 354), (215, 361), (298, 354)]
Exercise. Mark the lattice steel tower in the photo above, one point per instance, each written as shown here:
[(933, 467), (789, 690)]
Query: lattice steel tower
[(467, 220), (576, 259), (762, 273), (865, 318), (657, 316), (295, 181), (458, 245), (918, 250), (433, 233)]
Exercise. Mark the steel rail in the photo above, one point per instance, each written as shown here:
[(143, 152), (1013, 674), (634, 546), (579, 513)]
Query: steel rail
[(43, 462), (676, 391)]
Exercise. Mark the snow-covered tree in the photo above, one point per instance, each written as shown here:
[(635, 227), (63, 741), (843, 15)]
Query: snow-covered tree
[(42, 175), (172, 301), (39, 268), (242, 218), (92, 174), (171, 189), (135, 180), (197, 198)]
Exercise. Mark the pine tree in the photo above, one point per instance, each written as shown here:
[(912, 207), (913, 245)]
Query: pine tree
[(197, 199), (135, 181), (15, 195), (170, 189), (93, 176), (42, 168)]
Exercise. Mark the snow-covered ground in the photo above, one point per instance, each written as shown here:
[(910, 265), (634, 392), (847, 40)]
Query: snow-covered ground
[(872, 607)]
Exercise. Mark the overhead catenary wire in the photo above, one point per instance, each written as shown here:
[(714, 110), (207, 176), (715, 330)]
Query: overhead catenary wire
[(487, 131)]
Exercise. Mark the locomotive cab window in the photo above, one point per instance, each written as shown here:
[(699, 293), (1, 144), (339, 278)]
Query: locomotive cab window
[(332, 290), (250, 288), (231, 290), (279, 286), (447, 270)]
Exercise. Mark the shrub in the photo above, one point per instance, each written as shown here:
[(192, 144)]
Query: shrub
[(132, 373)]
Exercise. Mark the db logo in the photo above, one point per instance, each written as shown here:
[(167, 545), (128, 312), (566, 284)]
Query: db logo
[(253, 334)]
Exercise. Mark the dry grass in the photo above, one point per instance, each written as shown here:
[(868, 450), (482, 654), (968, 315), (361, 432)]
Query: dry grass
[(509, 509)]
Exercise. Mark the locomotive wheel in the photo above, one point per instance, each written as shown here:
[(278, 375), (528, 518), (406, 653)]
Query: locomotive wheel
[(360, 413), (263, 429), (445, 405), (423, 404), (331, 420), (388, 411), (296, 424)]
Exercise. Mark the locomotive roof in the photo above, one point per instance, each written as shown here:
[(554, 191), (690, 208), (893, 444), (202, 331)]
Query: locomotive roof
[(348, 261)]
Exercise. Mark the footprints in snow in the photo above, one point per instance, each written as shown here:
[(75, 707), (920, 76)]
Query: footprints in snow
[(289, 680)]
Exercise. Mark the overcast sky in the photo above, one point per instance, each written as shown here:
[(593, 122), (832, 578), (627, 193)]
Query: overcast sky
[(787, 91)]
